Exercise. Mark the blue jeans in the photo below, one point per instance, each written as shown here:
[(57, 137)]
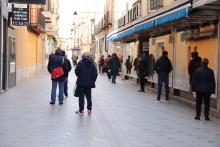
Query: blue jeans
[(66, 87), (162, 79), (54, 89), (114, 77)]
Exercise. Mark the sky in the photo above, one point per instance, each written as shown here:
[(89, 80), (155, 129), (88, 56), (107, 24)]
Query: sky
[(66, 10)]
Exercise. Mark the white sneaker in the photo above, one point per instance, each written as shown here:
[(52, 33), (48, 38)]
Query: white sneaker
[(167, 101), (158, 101)]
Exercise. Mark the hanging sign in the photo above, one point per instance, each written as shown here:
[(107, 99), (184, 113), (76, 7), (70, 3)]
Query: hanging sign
[(20, 14), (41, 2)]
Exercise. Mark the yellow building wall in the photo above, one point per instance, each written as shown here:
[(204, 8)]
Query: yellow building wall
[(29, 48)]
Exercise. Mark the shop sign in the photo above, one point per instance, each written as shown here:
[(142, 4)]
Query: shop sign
[(145, 46), (41, 2), (20, 14)]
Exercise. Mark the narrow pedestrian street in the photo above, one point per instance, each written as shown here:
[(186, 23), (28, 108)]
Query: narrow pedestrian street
[(121, 117)]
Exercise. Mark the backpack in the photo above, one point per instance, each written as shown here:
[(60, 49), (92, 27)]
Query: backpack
[(57, 72)]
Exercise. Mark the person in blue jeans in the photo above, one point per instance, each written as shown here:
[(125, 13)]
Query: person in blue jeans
[(114, 66), (57, 61), (69, 69), (163, 67)]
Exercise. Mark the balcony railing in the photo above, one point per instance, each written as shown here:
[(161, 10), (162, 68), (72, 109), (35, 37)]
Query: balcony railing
[(37, 20)]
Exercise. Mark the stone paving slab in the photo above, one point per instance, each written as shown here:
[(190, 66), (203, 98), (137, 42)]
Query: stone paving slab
[(121, 117)]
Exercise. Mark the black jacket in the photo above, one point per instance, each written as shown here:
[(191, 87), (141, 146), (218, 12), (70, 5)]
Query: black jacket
[(163, 66), (57, 61), (142, 67), (203, 80)]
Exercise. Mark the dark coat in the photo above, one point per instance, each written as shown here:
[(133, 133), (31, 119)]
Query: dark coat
[(128, 63), (193, 65), (163, 66), (203, 80), (69, 65), (55, 61), (86, 73), (142, 69), (114, 65)]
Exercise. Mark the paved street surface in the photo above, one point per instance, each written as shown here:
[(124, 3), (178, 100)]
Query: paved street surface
[(121, 117)]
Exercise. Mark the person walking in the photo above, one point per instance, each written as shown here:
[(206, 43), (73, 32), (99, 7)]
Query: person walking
[(86, 73), (128, 65), (114, 66), (193, 65), (74, 59), (142, 67), (69, 69), (57, 61), (163, 67), (107, 66), (101, 64), (203, 83)]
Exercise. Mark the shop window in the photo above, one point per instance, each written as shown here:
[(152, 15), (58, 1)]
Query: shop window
[(12, 52)]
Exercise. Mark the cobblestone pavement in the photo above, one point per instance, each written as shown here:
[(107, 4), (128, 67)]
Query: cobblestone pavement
[(121, 117)]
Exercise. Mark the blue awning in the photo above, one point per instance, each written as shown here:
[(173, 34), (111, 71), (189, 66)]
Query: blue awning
[(171, 15)]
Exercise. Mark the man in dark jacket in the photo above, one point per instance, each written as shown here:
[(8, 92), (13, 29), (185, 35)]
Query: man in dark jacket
[(86, 73), (203, 83), (57, 61), (193, 65), (163, 67), (142, 67), (69, 69)]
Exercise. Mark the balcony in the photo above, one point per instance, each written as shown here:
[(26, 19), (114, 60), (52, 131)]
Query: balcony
[(37, 20), (100, 26)]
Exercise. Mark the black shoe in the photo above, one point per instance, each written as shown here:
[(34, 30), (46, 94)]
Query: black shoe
[(207, 118), (61, 103), (52, 103), (197, 118), (140, 90), (114, 82)]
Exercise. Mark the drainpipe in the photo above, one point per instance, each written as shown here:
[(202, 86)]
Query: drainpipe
[(218, 71), (174, 60)]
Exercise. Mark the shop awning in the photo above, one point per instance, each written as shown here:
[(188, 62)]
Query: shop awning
[(172, 15)]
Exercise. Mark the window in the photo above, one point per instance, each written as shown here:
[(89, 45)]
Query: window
[(156, 4)]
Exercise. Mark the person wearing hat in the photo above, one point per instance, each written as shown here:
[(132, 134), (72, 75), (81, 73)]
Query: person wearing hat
[(69, 69), (86, 73), (163, 67), (203, 83), (142, 68)]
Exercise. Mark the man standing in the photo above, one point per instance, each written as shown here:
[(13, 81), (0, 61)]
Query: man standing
[(74, 58), (69, 69), (86, 73), (128, 65), (57, 61), (163, 67), (142, 67), (193, 65), (107, 66)]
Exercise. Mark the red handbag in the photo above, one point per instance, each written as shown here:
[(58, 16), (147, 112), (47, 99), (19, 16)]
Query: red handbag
[(57, 73)]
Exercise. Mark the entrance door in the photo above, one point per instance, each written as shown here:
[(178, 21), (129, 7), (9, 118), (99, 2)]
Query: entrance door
[(4, 57)]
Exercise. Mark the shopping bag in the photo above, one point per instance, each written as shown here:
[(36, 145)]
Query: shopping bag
[(76, 91)]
